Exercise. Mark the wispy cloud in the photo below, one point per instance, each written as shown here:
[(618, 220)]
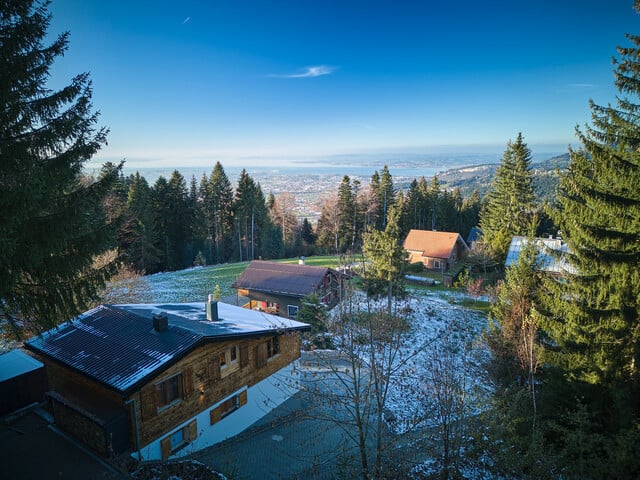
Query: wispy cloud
[(581, 85), (186, 20), (309, 72)]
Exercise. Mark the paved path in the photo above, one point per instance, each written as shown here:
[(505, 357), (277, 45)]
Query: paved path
[(294, 441), (289, 443)]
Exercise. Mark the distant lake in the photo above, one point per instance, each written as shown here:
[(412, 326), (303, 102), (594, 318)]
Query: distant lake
[(401, 166)]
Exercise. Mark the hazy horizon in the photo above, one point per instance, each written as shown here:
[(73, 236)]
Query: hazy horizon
[(188, 83)]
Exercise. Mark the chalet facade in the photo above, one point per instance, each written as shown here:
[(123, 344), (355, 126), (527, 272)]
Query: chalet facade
[(435, 250), (279, 287), (162, 381)]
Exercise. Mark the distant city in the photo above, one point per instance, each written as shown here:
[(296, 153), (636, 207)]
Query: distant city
[(313, 180)]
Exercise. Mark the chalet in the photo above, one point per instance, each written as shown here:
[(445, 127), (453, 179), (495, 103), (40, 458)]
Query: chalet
[(474, 237), (435, 250), (551, 255), (162, 381), (279, 287)]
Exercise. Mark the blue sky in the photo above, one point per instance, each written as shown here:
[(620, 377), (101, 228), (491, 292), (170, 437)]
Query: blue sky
[(187, 83)]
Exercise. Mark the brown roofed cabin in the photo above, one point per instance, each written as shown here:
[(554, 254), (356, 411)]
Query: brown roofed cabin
[(279, 287), (435, 250), (162, 381)]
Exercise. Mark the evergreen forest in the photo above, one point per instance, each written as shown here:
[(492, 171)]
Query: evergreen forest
[(564, 350)]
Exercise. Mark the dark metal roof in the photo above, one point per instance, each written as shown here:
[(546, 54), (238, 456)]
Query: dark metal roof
[(474, 235), (117, 345), (281, 278)]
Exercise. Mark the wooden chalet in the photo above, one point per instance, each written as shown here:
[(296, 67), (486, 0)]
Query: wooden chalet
[(279, 287), (161, 381), (435, 250)]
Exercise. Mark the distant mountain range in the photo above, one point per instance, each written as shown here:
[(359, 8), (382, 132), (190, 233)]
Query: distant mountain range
[(479, 177)]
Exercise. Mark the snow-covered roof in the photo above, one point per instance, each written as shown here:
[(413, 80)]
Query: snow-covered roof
[(551, 257), (118, 346), (15, 363)]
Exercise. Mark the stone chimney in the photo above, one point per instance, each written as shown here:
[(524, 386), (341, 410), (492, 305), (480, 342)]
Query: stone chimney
[(160, 322), (212, 309)]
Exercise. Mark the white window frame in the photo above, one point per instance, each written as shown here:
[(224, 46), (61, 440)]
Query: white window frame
[(230, 365)]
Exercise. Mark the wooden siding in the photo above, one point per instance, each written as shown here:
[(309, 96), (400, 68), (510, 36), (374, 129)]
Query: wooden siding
[(101, 409), (68, 382), (202, 386)]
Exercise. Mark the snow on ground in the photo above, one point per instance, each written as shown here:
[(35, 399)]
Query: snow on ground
[(442, 346), (449, 334), (442, 357)]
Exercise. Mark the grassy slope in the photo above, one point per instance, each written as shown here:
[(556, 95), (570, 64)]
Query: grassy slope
[(190, 285)]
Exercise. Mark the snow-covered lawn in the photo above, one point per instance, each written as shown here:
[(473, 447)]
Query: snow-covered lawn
[(440, 375)]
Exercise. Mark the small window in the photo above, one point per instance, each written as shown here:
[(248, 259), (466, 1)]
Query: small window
[(178, 439), (229, 361), (168, 392), (437, 264), (227, 407), (292, 310), (273, 347)]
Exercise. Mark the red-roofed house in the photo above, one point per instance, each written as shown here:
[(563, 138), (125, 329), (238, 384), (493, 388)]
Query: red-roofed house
[(435, 250)]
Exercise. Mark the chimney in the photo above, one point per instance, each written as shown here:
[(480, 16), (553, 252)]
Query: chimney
[(212, 309), (301, 260), (160, 322)]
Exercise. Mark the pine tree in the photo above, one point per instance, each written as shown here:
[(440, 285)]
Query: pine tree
[(346, 212), (386, 196), (138, 236), (250, 212), (308, 237), (511, 202), (160, 201), (219, 213), (52, 219), (372, 208), (594, 320), (179, 222), (327, 228), (385, 274)]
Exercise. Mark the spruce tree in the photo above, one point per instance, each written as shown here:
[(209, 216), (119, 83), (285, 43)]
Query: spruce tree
[(219, 213), (511, 202), (52, 218), (138, 236), (594, 320), (386, 196), (347, 212), (388, 258)]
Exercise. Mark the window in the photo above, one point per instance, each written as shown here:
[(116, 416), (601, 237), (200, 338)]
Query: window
[(228, 360), (178, 439), (169, 391), (227, 407), (437, 264), (273, 346), (292, 310)]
